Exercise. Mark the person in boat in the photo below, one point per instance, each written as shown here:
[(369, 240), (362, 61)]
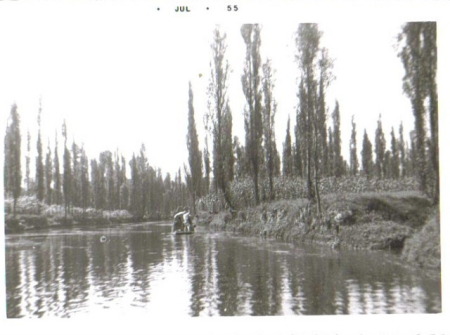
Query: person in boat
[(178, 221), (187, 220)]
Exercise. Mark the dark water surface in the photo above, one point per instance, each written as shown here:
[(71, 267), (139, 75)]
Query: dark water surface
[(144, 269)]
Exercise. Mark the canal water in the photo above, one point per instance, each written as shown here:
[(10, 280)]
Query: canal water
[(144, 269)]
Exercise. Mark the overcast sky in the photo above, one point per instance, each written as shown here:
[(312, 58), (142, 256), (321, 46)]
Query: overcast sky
[(120, 79)]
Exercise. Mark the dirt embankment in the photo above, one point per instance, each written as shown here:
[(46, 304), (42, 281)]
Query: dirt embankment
[(366, 221)]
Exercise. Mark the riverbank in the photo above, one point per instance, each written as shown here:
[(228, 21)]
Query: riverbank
[(405, 221), (36, 215), (26, 222)]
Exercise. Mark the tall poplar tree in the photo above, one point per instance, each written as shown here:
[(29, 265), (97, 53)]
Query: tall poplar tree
[(301, 136), (97, 185), (67, 174), (419, 57), (287, 152), (325, 65), (366, 156), (338, 160), (402, 151), (48, 176), (106, 163), (84, 180), (330, 167), (207, 166), (218, 119), (135, 189), (27, 163), (12, 166), (395, 159), (124, 188), (195, 155), (268, 113), (354, 166), (380, 149), (57, 175), (144, 185), (251, 85), (40, 187), (227, 144), (308, 39), (106, 183), (76, 175), (118, 180), (314, 66)]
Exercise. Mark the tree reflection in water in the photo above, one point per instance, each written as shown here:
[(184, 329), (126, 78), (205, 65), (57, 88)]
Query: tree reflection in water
[(145, 268)]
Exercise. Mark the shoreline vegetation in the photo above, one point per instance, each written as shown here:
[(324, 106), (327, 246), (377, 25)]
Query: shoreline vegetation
[(29, 219), (406, 222), (357, 213)]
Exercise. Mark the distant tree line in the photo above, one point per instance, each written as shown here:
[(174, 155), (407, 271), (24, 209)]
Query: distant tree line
[(101, 183)]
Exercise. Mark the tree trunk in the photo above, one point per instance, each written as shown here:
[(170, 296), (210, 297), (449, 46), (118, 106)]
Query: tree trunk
[(194, 209), (256, 186), (318, 201), (434, 141), (420, 143), (226, 195), (309, 183), (14, 207), (271, 195)]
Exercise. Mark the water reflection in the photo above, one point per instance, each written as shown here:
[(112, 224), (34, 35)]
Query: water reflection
[(143, 268)]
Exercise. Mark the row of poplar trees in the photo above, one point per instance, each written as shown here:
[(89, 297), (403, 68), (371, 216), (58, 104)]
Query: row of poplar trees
[(259, 157), (80, 182), (316, 152)]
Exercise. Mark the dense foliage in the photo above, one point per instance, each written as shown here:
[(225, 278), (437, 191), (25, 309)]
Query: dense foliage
[(296, 187)]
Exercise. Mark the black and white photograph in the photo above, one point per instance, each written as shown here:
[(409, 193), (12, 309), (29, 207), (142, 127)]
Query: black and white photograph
[(194, 161)]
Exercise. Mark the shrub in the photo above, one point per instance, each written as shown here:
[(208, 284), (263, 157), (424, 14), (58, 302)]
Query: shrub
[(118, 215), (36, 221), (424, 248), (25, 205)]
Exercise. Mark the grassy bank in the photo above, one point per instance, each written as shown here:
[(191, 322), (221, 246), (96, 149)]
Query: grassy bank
[(25, 222), (389, 220), (33, 215)]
